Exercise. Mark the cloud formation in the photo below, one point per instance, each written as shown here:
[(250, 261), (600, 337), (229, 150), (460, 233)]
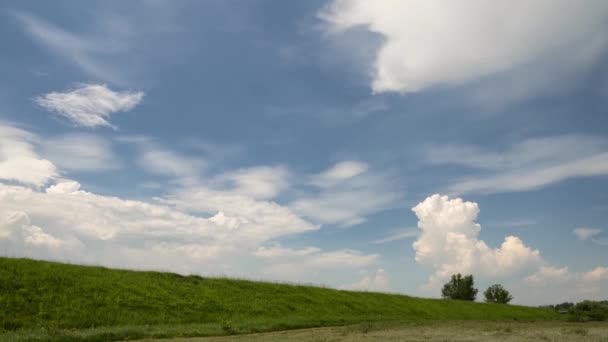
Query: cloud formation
[(449, 242), (194, 230), (346, 194), (89, 105), (81, 152), (380, 282), (526, 165), (18, 160), (584, 233), (435, 43)]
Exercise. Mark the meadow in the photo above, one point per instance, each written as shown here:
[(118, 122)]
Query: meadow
[(48, 301)]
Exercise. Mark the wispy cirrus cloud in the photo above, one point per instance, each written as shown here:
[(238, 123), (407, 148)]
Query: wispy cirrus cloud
[(89, 105), (526, 165), (80, 49), (346, 194)]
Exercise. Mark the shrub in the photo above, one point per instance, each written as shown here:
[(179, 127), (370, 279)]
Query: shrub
[(589, 311)]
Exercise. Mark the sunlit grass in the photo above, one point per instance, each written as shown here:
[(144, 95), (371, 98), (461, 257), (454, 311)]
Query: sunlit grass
[(59, 302)]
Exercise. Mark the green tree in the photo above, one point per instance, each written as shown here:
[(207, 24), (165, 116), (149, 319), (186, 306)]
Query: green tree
[(460, 288), (497, 294)]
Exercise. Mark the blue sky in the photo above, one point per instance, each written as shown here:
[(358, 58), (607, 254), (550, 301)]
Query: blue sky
[(360, 145)]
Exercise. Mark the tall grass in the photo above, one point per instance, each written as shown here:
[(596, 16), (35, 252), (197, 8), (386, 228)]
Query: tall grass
[(39, 298)]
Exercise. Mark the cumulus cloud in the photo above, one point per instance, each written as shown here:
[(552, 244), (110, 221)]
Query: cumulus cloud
[(435, 43), (89, 105), (583, 233), (196, 229), (449, 242), (19, 161), (81, 152), (347, 193), (380, 282), (526, 165)]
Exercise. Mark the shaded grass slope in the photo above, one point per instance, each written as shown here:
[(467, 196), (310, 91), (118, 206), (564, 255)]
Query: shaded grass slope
[(54, 301)]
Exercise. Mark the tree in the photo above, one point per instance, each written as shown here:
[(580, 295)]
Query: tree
[(459, 288), (497, 294)]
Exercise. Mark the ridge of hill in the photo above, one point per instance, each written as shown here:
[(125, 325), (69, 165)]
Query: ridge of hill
[(41, 300)]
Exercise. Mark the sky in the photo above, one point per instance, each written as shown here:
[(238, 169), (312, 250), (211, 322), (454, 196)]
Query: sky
[(359, 145)]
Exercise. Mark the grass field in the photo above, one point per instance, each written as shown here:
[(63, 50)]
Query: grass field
[(48, 301)]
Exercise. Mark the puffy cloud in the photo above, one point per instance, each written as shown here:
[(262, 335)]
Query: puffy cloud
[(435, 43), (19, 161), (526, 165), (378, 282), (16, 227), (90, 105), (260, 220), (348, 192), (81, 152), (449, 242), (583, 233)]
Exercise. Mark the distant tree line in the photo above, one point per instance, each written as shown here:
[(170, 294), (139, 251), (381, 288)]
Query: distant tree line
[(587, 310)]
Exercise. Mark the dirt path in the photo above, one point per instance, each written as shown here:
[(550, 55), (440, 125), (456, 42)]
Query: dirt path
[(433, 331)]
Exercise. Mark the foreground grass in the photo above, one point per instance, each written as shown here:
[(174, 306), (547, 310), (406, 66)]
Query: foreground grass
[(469, 331), (48, 301)]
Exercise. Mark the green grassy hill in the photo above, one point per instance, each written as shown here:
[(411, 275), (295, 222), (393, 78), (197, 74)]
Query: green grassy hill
[(52, 301)]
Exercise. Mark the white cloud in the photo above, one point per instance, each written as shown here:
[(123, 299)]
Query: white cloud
[(194, 230), (548, 275), (583, 233), (262, 220), (348, 192), (338, 173), (564, 285), (159, 161), (260, 182), (449, 243), (302, 264), (16, 226), (398, 235), (527, 165), (435, 43), (379, 282), (19, 161), (80, 49), (90, 105), (81, 152)]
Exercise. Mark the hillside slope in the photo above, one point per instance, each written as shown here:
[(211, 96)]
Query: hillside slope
[(55, 297)]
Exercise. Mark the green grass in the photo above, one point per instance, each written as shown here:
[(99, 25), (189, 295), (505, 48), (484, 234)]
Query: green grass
[(49, 301)]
